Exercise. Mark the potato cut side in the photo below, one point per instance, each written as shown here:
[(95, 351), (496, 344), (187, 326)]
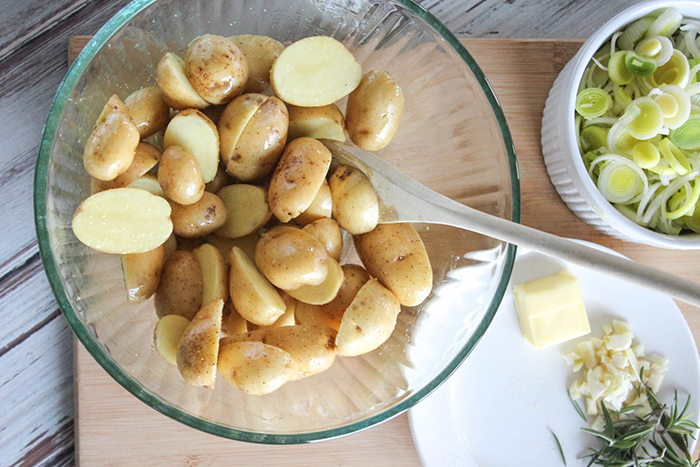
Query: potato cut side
[(214, 273), (142, 273), (123, 220), (247, 207), (316, 122), (167, 335), (369, 320), (198, 349), (315, 71), (145, 158), (320, 207), (260, 53), (196, 134), (232, 321), (178, 93), (253, 296), (225, 245), (287, 319), (326, 291), (256, 368), (148, 182)]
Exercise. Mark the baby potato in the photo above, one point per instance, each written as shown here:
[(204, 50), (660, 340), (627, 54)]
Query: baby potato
[(287, 319), (177, 91), (369, 320), (331, 313), (198, 349), (251, 293), (148, 110), (169, 247), (314, 72), (220, 180), (325, 122), (214, 273), (180, 176), (324, 292), (196, 134), (181, 286), (261, 143), (142, 273), (319, 208), (374, 111), (298, 177), (234, 120), (225, 245), (110, 148), (148, 182), (247, 208), (395, 254), (355, 202), (167, 335), (290, 258), (260, 53), (254, 367), (200, 218), (328, 233), (232, 322), (123, 221), (216, 68), (146, 157)]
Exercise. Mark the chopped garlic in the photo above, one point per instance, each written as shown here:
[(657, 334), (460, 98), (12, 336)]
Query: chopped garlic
[(618, 342), (638, 350)]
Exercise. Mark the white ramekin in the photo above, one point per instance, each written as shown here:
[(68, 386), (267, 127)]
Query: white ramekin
[(560, 148)]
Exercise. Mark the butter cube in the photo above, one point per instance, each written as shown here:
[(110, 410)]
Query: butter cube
[(551, 310)]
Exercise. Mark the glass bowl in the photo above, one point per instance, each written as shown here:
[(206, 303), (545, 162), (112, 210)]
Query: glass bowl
[(453, 138)]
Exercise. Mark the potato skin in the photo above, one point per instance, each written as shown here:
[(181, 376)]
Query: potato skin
[(198, 349), (320, 207), (142, 273), (254, 367), (328, 233), (200, 218), (177, 91), (369, 320), (216, 68), (396, 256), (260, 53), (374, 111), (148, 110), (234, 119), (180, 176), (110, 148), (298, 177), (146, 156), (355, 202), (290, 258), (180, 289)]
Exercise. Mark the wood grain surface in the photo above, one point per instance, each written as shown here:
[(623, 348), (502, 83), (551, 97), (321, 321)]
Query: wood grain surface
[(36, 414), (507, 65)]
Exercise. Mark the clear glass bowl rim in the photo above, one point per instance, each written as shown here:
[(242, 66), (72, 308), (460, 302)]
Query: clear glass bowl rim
[(112, 367)]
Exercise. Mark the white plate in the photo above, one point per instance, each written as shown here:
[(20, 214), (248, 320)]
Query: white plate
[(498, 407)]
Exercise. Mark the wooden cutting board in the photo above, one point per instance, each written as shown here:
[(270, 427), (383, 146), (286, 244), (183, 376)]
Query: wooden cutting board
[(114, 428)]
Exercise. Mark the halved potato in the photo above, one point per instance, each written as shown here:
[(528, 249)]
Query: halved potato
[(315, 71), (355, 202), (255, 368), (146, 157), (142, 273), (198, 349), (200, 218), (260, 53), (216, 68), (148, 110), (196, 134), (251, 293), (169, 247), (225, 245), (221, 179), (214, 273), (319, 208), (167, 334), (324, 292), (123, 220), (232, 321), (180, 176), (316, 122), (247, 207), (328, 233), (149, 183), (178, 93), (369, 320), (287, 319), (234, 119), (181, 286)]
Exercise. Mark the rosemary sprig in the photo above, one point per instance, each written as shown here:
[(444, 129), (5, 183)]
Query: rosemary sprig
[(561, 451), (659, 439)]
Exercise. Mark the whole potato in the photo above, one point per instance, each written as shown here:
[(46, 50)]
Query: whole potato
[(200, 218), (290, 258), (260, 53), (254, 367), (251, 293), (331, 313), (142, 273), (319, 208), (298, 177), (395, 254), (110, 148), (216, 68), (374, 111), (248, 210), (178, 93), (324, 292), (180, 176), (180, 289), (325, 122), (369, 320), (170, 246), (328, 233), (355, 202), (261, 143), (234, 119), (146, 157), (148, 110), (198, 348)]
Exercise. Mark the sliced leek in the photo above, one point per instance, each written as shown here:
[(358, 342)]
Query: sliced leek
[(638, 65), (619, 183), (657, 48), (675, 71), (666, 23), (681, 106), (634, 32), (593, 103), (594, 137), (617, 69), (648, 122), (645, 155), (691, 200), (687, 136), (674, 156)]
